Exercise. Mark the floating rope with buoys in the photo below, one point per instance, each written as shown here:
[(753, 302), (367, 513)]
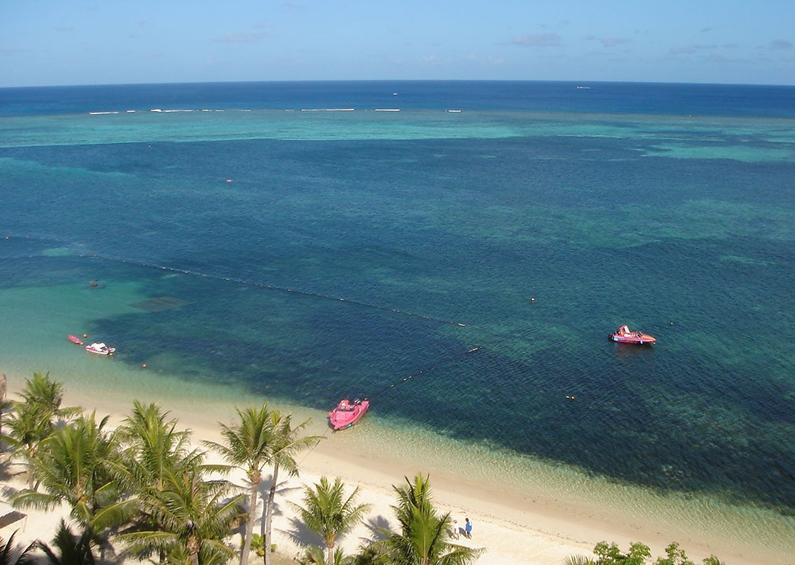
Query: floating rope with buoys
[(86, 251), (427, 369)]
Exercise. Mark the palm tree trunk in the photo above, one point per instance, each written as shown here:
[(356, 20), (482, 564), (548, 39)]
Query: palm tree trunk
[(3, 387), (250, 526), (269, 515), (193, 546), (31, 478)]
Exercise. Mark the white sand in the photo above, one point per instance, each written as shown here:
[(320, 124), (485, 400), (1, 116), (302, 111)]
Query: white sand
[(511, 527)]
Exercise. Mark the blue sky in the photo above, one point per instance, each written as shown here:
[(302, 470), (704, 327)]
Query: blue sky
[(60, 42)]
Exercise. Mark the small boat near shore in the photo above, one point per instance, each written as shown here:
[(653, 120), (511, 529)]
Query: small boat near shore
[(347, 413), (100, 349), (75, 339), (625, 335)]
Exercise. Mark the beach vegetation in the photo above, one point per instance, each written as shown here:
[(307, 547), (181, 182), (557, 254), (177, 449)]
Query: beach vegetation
[(424, 534), (152, 450), (258, 544), (69, 548), (248, 445), (73, 467), (10, 554), (330, 514), (283, 442), (318, 556), (5, 408), (610, 554), (189, 519), (151, 445), (34, 418), (638, 554)]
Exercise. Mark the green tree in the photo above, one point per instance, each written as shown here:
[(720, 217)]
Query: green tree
[(674, 555), (151, 446), (316, 556), (287, 442), (423, 534), (35, 416), (610, 554), (191, 518), (248, 445), (5, 408), (71, 549), (9, 555), (329, 513), (73, 467)]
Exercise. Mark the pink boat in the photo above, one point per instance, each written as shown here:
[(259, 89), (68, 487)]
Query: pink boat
[(75, 339), (625, 335), (347, 413)]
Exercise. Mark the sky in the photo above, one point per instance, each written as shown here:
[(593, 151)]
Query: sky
[(68, 42)]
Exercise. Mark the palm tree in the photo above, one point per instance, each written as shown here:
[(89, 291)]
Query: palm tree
[(192, 516), (329, 514), (286, 444), (5, 406), (8, 551), (248, 447), (35, 416), (261, 437), (152, 445), (73, 467), (315, 556), (72, 549), (423, 536)]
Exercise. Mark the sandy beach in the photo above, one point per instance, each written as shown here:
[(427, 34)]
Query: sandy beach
[(514, 526)]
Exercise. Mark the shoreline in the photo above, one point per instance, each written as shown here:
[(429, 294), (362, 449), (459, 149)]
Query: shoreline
[(531, 525)]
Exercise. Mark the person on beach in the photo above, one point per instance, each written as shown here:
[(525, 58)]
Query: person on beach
[(468, 528), (455, 529)]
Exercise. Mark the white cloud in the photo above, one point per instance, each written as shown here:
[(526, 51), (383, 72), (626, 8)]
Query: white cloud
[(690, 49), (614, 41), (242, 37), (539, 40)]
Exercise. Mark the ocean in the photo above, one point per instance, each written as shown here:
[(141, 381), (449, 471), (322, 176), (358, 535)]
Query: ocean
[(457, 252)]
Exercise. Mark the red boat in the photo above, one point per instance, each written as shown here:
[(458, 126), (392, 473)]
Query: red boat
[(347, 413), (75, 339), (625, 335)]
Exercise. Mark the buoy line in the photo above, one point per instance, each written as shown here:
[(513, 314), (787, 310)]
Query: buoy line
[(426, 369), (91, 253)]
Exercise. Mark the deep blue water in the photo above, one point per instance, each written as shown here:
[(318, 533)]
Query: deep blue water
[(365, 247), (611, 98)]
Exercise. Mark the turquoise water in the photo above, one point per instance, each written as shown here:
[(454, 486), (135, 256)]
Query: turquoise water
[(310, 255)]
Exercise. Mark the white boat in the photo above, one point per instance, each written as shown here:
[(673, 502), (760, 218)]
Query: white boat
[(100, 349)]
